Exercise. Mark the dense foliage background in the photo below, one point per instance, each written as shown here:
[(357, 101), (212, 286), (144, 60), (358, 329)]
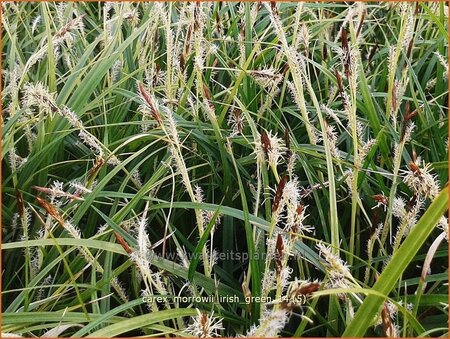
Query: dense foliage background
[(224, 149)]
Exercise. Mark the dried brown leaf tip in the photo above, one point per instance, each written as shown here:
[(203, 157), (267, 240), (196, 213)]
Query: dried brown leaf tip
[(123, 243), (279, 193), (51, 210), (150, 102)]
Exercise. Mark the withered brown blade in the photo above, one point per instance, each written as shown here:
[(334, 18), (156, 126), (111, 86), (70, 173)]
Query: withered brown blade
[(414, 155), (409, 50), (51, 210), (123, 243), (279, 193), (247, 294)]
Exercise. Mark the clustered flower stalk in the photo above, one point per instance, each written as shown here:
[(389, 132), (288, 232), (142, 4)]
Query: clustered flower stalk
[(269, 80), (297, 66), (169, 52), (398, 153), (64, 35), (289, 212), (408, 218), (75, 233), (167, 123), (350, 59), (273, 321), (339, 276), (205, 326), (141, 257), (350, 63), (404, 41), (37, 95)]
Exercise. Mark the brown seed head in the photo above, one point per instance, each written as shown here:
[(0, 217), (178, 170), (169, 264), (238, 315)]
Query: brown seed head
[(20, 205), (149, 101), (279, 252), (51, 210), (279, 193), (123, 243)]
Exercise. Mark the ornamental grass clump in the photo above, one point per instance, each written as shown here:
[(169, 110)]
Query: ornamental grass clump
[(221, 169)]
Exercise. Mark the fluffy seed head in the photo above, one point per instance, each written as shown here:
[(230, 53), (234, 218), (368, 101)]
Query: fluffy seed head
[(270, 147), (205, 326), (420, 179)]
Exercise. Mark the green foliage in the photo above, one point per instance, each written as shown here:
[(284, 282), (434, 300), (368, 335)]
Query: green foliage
[(224, 150)]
